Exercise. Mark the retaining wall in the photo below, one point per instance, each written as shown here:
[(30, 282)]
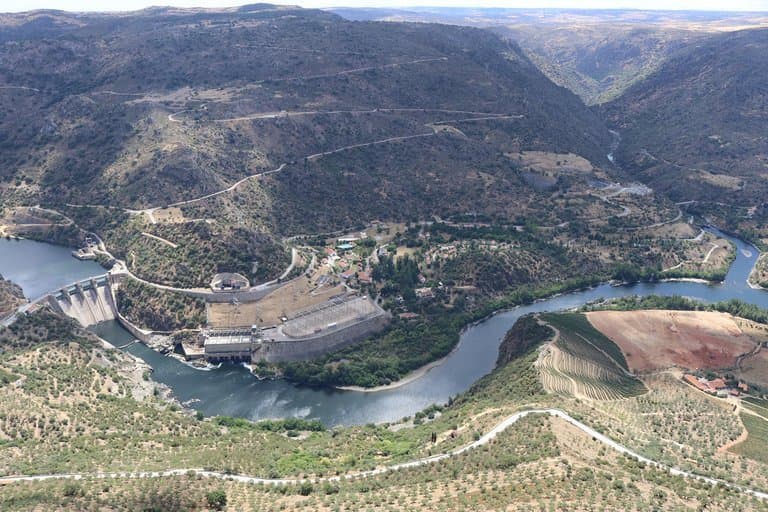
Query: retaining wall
[(311, 347)]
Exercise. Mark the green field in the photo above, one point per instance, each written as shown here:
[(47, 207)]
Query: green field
[(756, 405), (756, 445), (581, 339), (589, 364)]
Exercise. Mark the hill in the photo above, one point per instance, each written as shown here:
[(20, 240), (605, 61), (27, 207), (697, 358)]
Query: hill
[(115, 421), (94, 94), (599, 61), (595, 53), (695, 128), (264, 122)]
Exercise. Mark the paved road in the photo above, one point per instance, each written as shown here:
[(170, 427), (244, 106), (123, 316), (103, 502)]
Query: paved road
[(19, 87), (300, 113), (485, 439)]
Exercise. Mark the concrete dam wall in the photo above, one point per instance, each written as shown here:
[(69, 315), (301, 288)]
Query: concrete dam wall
[(89, 302)]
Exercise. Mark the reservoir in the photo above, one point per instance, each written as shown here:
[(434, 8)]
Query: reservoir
[(231, 390)]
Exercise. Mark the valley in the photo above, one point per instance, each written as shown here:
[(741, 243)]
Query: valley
[(459, 259)]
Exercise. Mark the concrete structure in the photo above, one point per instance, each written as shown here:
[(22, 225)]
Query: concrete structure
[(313, 332), (89, 302), (228, 282), (230, 344), (326, 328), (84, 254)]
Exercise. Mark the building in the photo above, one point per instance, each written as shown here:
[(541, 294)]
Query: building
[(228, 282), (715, 386), (310, 333), (425, 293), (230, 344)]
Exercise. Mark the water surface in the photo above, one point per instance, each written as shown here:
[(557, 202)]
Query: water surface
[(231, 390)]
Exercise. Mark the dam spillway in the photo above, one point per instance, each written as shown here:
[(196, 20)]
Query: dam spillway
[(89, 302)]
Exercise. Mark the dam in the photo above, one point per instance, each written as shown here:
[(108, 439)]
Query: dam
[(89, 302)]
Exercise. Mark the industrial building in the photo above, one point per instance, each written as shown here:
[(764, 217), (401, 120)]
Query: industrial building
[(230, 344), (306, 335), (228, 282)]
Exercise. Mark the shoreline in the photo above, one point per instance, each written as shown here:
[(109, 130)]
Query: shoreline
[(689, 280), (407, 379), (141, 388), (755, 286), (423, 370)]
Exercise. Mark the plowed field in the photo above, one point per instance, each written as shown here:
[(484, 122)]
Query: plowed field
[(652, 340)]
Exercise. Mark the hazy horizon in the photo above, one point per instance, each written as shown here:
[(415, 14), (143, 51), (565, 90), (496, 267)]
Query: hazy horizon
[(735, 6)]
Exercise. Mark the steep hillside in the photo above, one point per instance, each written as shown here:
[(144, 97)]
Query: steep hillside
[(598, 61), (695, 128), (87, 98), (11, 297)]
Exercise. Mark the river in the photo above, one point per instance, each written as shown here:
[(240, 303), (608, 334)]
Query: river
[(231, 390)]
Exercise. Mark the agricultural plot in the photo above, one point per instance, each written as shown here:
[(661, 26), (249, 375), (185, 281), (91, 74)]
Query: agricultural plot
[(584, 363), (756, 445), (672, 423), (756, 405), (566, 374), (579, 337), (654, 340)]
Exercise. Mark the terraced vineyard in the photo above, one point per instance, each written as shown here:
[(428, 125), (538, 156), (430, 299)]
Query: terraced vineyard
[(583, 363), (565, 373), (755, 420)]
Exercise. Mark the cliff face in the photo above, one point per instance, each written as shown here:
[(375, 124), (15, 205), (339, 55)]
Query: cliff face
[(11, 297), (524, 335)]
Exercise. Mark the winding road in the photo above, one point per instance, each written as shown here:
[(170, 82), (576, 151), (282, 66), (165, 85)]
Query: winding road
[(485, 439), (434, 127)]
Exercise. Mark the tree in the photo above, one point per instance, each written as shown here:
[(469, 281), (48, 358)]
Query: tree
[(217, 499)]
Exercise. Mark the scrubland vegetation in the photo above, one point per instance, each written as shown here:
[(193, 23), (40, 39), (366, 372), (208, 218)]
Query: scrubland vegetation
[(159, 310), (536, 456)]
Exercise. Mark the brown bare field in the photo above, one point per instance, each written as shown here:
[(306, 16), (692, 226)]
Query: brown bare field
[(652, 340), (169, 215), (548, 162), (298, 294)]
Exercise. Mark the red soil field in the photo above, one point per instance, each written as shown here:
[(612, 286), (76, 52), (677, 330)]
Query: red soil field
[(653, 340)]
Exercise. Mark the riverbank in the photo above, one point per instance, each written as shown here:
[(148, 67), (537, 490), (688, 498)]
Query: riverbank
[(232, 390), (752, 278), (409, 378), (137, 375)]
